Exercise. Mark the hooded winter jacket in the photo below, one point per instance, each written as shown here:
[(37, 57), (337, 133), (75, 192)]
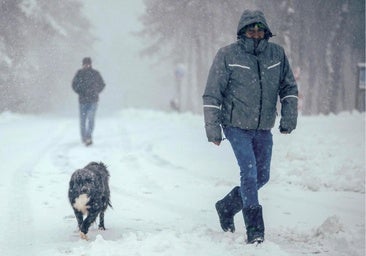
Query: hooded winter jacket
[(88, 83), (244, 83)]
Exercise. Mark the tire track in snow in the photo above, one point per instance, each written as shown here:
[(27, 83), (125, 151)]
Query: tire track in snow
[(20, 234)]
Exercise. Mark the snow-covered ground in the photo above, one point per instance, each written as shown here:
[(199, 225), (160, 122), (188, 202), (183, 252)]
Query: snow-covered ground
[(165, 179)]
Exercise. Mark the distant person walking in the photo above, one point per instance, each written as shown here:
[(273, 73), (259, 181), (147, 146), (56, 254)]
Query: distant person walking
[(243, 85), (87, 83)]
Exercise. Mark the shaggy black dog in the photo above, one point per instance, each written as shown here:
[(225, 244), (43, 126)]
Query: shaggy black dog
[(89, 195)]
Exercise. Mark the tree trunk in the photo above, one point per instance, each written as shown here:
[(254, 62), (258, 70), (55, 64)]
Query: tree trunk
[(337, 101)]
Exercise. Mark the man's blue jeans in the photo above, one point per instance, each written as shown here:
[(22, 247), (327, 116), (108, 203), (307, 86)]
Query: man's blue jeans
[(253, 151), (87, 116)]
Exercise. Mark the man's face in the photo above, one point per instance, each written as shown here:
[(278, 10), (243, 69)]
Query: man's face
[(256, 31)]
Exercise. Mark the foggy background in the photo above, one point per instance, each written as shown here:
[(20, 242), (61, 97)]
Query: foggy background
[(150, 50)]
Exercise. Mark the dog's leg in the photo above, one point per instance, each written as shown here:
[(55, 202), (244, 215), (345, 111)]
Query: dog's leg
[(79, 217), (83, 236), (86, 224), (101, 221)]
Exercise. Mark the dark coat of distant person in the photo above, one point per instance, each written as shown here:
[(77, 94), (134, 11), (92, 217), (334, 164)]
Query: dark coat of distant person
[(88, 83)]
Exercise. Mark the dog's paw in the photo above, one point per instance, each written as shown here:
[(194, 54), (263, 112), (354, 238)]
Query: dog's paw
[(101, 228), (83, 236)]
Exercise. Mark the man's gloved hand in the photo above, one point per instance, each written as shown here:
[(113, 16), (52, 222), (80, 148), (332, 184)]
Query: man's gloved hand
[(284, 130)]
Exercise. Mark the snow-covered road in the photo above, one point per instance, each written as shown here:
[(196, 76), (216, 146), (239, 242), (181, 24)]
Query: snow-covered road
[(165, 179)]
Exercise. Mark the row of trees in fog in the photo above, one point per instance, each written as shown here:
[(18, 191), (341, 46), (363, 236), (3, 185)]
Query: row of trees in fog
[(38, 41), (324, 40), (42, 42)]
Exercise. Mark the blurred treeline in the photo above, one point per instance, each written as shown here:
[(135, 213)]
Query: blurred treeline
[(324, 41), (40, 42)]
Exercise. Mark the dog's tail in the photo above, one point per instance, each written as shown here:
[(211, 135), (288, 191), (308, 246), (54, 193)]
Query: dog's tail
[(101, 167)]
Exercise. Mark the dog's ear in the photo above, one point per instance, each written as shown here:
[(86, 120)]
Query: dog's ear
[(101, 164), (92, 164), (71, 184)]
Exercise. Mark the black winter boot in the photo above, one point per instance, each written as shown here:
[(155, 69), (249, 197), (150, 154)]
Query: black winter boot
[(253, 219), (227, 207)]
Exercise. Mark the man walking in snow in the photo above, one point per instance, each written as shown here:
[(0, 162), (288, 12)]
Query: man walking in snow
[(87, 83), (243, 85)]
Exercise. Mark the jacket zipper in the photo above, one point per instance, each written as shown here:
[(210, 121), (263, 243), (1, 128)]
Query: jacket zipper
[(261, 93), (231, 113)]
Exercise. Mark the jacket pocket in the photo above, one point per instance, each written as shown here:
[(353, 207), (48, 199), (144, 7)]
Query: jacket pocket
[(272, 74)]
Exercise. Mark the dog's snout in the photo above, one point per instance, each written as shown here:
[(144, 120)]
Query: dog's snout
[(84, 190)]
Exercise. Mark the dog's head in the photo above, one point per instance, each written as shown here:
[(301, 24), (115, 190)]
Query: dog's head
[(98, 167), (83, 181)]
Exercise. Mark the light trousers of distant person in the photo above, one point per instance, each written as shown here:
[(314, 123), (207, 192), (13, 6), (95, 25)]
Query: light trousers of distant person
[(87, 117), (253, 151)]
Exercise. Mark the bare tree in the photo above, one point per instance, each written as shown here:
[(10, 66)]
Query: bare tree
[(39, 39), (334, 97), (190, 32)]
